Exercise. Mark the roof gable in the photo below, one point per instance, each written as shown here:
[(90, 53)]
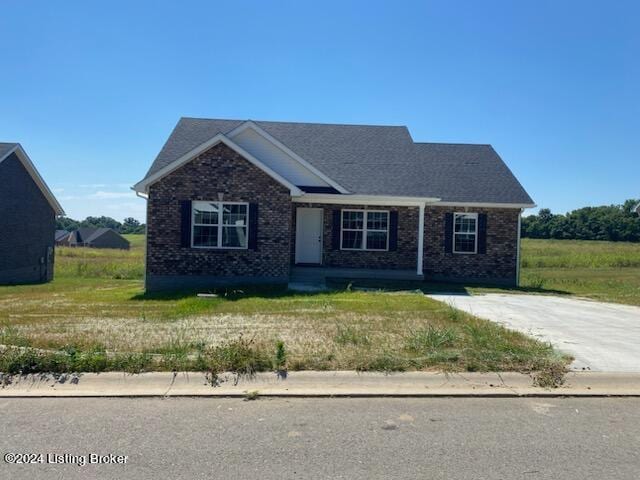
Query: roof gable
[(144, 184), (7, 149)]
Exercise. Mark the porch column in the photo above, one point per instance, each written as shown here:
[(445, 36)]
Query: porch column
[(420, 238)]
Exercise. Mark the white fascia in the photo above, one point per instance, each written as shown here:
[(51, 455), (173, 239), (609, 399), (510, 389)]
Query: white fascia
[(142, 187), (486, 205), (250, 124), (39, 181), (382, 200)]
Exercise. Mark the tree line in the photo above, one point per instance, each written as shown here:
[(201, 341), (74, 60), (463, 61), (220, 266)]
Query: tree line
[(612, 222), (128, 225)]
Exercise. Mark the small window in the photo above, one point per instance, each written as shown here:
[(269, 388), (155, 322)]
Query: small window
[(465, 233), (365, 230), (219, 225)]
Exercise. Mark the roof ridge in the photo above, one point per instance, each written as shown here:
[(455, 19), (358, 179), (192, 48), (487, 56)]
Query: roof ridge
[(453, 143), (296, 123)]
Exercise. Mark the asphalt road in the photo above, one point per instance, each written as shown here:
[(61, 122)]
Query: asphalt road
[(600, 336), (191, 438)]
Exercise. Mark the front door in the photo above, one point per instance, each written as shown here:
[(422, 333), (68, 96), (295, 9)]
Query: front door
[(309, 235)]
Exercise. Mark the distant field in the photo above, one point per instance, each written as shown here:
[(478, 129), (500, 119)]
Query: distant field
[(607, 271), (102, 263)]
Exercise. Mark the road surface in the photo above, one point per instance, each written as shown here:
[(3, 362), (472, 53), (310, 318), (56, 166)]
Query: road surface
[(374, 438)]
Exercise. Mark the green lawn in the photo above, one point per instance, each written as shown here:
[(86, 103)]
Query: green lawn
[(96, 317), (606, 271)]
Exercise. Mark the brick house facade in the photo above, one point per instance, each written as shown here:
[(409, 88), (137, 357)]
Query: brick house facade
[(218, 174), (223, 199)]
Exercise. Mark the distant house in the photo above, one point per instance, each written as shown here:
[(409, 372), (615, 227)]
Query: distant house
[(638, 209), (94, 238), (60, 235), (28, 213)]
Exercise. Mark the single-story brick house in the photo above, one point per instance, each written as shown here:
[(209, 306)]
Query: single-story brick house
[(28, 213), (235, 202)]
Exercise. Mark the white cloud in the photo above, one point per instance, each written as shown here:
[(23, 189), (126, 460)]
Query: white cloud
[(102, 195)]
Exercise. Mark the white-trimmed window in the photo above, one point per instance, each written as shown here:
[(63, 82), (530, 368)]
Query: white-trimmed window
[(465, 233), (364, 230), (219, 224)]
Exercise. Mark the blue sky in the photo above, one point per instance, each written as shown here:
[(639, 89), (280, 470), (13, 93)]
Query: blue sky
[(92, 89)]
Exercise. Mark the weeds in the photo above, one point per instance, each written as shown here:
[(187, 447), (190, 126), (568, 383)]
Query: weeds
[(348, 335), (431, 338), (280, 361)]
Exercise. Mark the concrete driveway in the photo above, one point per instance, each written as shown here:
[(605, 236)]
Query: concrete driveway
[(601, 336)]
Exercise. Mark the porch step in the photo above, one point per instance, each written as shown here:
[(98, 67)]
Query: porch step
[(320, 274)]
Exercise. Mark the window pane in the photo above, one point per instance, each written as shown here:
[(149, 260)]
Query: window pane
[(465, 223), (352, 220), (465, 242), (205, 213), (377, 220), (205, 236), (351, 239), (234, 214), (376, 240), (234, 236)]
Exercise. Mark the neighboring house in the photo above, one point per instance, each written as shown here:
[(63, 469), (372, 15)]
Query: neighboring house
[(61, 235), (28, 213), (232, 201), (95, 238), (637, 209)]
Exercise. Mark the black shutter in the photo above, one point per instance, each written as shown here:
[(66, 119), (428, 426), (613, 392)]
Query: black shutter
[(482, 233), (393, 231), (335, 230), (448, 232), (253, 226), (185, 223)]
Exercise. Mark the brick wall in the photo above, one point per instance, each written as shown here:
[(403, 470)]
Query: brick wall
[(404, 258), (218, 170), (28, 226), (498, 265)]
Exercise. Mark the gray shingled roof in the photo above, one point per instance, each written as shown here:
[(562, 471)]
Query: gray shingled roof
[(6, 148), (373, 160)]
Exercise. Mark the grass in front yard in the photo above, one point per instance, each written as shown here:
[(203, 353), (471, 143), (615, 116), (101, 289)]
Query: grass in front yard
[(95, 317)]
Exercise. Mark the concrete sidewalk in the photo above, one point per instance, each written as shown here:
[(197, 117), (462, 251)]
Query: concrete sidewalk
[(318, 384)]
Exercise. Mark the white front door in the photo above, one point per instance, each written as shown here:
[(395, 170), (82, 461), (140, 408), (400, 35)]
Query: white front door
[(309, 235)]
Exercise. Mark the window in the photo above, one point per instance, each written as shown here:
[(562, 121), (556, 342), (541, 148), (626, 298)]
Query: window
[(465, 233), (365, 230), (219, 225)]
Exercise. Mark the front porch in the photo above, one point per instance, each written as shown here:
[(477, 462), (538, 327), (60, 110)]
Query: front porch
[(316, 276)]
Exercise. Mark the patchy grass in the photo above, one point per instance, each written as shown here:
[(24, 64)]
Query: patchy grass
[(97, 318)]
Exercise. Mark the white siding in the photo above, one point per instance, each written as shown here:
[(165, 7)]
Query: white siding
[(276, 159)]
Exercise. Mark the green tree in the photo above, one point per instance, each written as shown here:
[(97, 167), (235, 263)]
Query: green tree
[(608, 222)]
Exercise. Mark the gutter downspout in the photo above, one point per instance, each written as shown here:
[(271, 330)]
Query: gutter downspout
[(146, 237), (518, 249), (420, 239)]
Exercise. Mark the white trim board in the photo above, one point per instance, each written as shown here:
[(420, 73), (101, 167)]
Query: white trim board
[(143, 185), (486, 205), (381, 200), (33, 172)]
